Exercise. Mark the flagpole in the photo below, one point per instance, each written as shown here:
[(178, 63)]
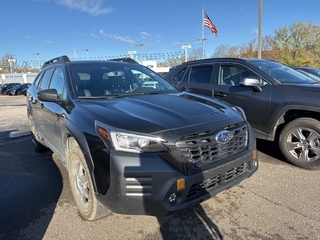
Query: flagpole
[(202, 39)]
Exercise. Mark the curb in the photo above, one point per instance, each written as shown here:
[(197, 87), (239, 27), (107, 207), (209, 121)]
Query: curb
[(19, 133)]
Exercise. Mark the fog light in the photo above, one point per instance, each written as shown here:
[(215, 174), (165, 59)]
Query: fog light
[(173, 198), (255, 163)]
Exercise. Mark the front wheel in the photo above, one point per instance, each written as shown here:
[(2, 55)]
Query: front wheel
[(299, 142), (82, 187)]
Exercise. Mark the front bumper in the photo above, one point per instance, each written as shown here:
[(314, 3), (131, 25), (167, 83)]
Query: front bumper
[(147, 185)]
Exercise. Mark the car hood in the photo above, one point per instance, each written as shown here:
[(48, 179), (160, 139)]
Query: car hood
[(315, 87), (161, 113)]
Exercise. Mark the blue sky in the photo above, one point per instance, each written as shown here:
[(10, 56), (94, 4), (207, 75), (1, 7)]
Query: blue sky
[(113, 27)]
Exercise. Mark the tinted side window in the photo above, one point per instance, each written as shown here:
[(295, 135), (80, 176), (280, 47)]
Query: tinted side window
[(201, 74), (233, 75), (57, 82), (178, 77), (45, 79)]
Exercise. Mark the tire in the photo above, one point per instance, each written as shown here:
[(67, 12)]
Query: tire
[(38, 147), (299, 142), (82, 187)]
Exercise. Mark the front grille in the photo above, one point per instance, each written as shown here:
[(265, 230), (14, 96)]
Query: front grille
[(203, 148), (202, 187)]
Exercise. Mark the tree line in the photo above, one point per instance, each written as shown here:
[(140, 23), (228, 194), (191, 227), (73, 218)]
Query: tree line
[(294, 45)]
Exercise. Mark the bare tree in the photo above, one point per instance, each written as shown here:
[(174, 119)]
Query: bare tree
[(221, 51), (5, 65), (175, 61), (267, 48), (195, 54), (248, 51)]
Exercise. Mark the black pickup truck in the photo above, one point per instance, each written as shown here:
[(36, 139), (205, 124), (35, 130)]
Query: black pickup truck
[(281, 104)]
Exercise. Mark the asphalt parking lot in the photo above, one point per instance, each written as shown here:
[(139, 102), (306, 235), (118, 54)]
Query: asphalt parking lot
[(279, 201)]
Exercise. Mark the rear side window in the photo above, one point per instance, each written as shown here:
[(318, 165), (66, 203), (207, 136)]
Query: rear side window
[(201, 74)]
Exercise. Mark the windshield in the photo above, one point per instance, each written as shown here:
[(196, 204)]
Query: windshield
[(281, 73), (113, 79), (314, 71), (310, 75)]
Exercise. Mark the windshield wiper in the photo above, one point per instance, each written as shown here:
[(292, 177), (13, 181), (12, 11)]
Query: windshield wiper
[(97, 97), (136, 93)]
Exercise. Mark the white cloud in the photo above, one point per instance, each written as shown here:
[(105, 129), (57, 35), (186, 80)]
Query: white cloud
[(48, 41), (255, 32), (93, 7), (102, 33), (145, 35), (92, 35), (121, 38), (27, 36)]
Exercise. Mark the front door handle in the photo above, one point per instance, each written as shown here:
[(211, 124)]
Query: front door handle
[(219, 94)]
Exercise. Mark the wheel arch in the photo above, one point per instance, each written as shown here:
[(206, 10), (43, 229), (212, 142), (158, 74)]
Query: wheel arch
[(288, 114), (73, 138)]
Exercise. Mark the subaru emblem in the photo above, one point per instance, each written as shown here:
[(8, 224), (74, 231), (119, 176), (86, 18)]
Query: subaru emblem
[(223, 136)]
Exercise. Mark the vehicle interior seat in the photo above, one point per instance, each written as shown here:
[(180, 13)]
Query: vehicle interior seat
[(117, 84), (226, 77), (82, 89)]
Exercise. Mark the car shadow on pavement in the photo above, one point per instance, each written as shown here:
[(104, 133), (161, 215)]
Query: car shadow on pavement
[(272, 150), (191, 223), (30, 188)]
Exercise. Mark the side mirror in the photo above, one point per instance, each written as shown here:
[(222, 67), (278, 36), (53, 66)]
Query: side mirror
[(251, 82), (48, 95)]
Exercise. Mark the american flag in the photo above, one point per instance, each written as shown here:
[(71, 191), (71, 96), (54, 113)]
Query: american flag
[(208, 23)]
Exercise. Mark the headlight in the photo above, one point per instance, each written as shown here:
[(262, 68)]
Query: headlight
[(128, 141)]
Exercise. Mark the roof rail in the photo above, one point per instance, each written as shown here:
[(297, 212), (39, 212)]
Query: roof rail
[(63, 58)]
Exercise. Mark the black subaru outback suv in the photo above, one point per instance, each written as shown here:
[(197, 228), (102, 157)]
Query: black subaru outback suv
[(280, 103), (133, 149)]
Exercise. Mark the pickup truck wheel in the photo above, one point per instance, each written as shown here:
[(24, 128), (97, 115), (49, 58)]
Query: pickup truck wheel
[(82, 187), (299, 142)]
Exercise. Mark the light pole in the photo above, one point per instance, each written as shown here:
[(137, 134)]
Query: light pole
[(259, 29), (75, 54), (185, 47), (11, 63), (38, 58), (140, 45), (87, 52)]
